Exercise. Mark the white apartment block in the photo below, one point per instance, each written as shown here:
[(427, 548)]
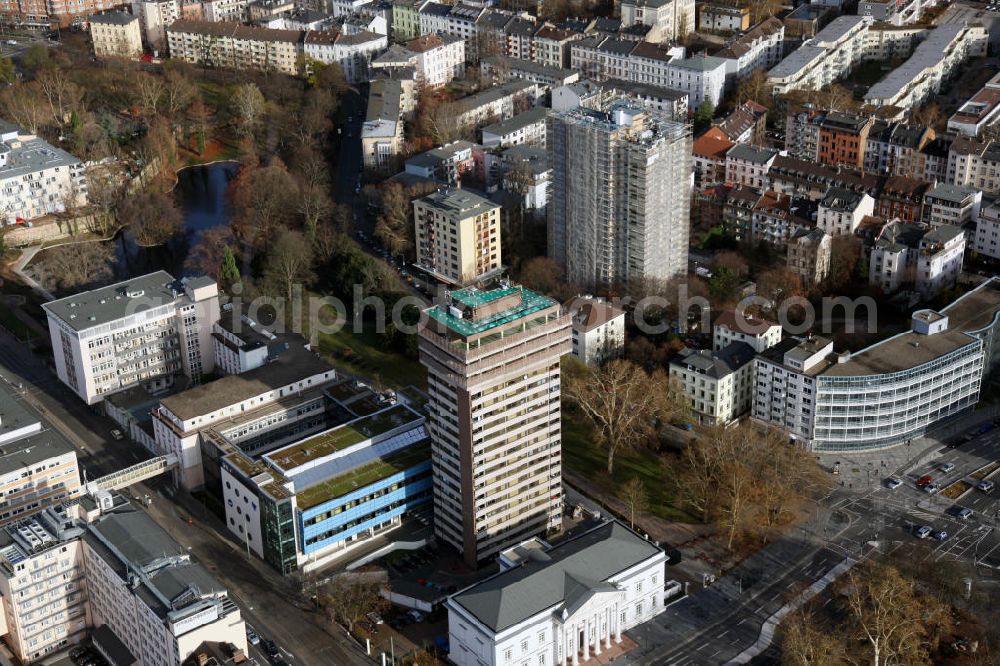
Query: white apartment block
[(235, 46), (36, 178), (906, 255), (975, 163), (722, 17), (987, 239), (527, 128), (952, 204), (933, 61), (492, 357), (157, 16), (457, 235), (353, 52), (669, 19), (219, 11), (38, 466), (598, 329), (830, 55), (785, 385), (717, 384), (434, 18), (558, 605), (741, 326), (43, 585), (143, 586), (382, 132), (497, 103), (253, 399), (141, 331), (437, 59), (840, 212), (748, 165), (761, 47), (702, 77), (892, 11), (115, 35), (890, 43)]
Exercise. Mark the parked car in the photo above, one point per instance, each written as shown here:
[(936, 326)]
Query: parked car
[(374, 618), (946, 467), (416, 615), (940, 535), (270, 647), (986, 486), (924, 480), (892, 483), (931, 488), (922, 532), (252, 636), (964, 513), (117, 434)]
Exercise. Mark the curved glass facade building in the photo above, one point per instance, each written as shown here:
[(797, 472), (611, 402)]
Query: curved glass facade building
[(888, 393)]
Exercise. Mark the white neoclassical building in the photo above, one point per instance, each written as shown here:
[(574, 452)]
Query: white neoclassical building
[(561, 604)]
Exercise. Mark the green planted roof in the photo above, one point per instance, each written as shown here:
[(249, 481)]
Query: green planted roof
[(340, 438), (364, 475)]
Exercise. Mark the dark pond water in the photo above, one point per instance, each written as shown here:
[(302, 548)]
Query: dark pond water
[(201, 194)]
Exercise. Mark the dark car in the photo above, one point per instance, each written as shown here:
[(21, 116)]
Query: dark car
[(270, 647)]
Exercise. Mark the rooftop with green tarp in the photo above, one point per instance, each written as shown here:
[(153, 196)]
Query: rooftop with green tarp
[(475, 311), (365, 475)]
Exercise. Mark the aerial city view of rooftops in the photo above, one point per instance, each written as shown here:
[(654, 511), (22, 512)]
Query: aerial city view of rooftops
[(499, 332)]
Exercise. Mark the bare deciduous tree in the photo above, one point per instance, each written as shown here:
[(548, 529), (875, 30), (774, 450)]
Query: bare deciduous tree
[(289, 262), (893, 623), (70, 267), (633, 494), (803, 644), (347, 599), (622, 402), (248, 104)]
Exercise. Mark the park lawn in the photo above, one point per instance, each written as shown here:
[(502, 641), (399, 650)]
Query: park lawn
[(10, 321), (364, 356), (582, 455)]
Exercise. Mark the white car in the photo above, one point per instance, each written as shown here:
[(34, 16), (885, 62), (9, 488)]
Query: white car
[(252, 636), (892, 483), (986, 486), (922, 532), (947, 467), (964, 514), (931, 488)]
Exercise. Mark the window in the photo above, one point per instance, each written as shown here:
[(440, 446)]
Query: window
[(541, 638), (508, 654), (524, 645)]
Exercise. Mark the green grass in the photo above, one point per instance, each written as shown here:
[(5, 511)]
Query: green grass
[(364, 355), (10, 321), (586, 458)]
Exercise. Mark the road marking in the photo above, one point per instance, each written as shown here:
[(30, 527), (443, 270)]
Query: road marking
[(723, 634)]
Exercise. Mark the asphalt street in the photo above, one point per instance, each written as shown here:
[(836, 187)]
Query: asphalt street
[(716, 623), (268, 601)]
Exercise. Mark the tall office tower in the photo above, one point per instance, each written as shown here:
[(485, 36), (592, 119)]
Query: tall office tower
[(492, 358), (619, 202)]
